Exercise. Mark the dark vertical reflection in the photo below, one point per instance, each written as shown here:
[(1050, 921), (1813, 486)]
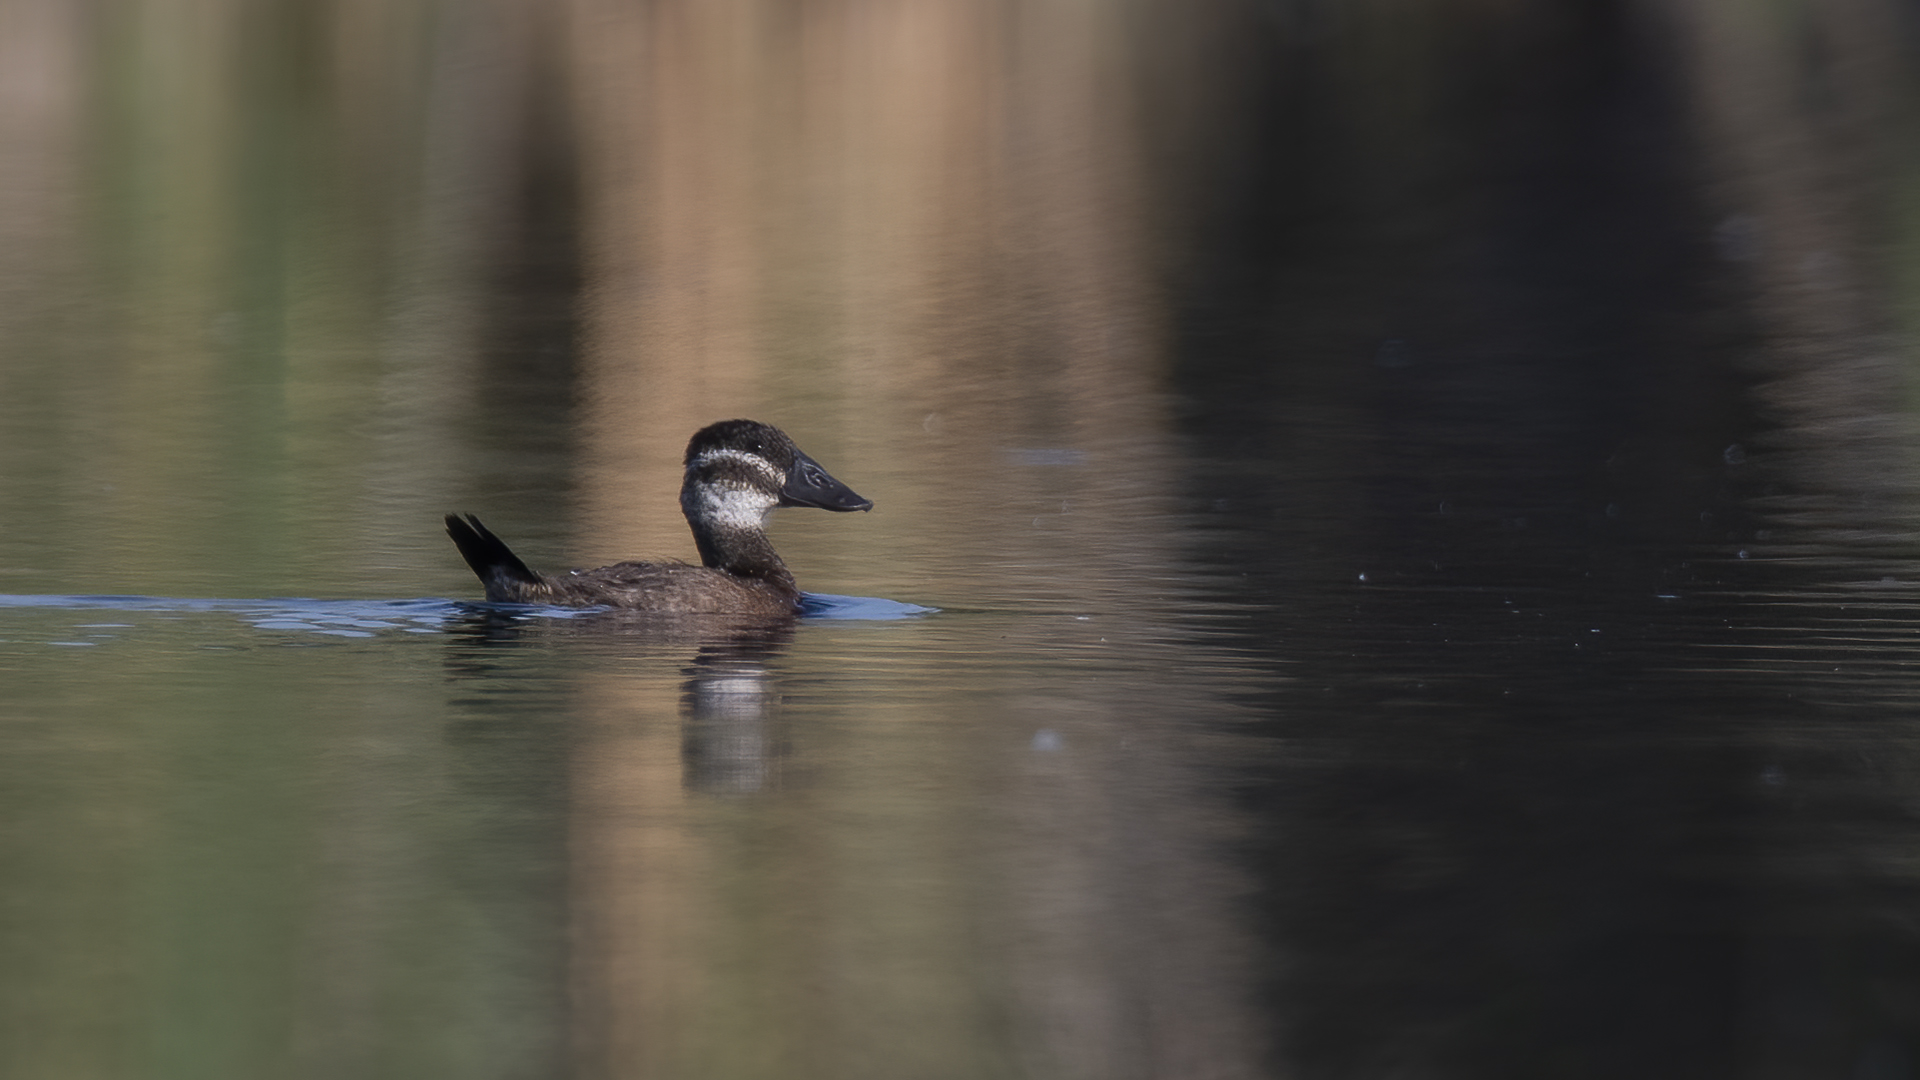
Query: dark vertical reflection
[(501, 858), (1462, 380), (521, 430)]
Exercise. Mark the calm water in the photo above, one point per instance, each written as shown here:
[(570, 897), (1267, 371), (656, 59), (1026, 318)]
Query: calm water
[(1393, 551)]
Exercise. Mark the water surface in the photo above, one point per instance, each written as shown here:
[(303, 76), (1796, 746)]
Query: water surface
[(1393, 550)]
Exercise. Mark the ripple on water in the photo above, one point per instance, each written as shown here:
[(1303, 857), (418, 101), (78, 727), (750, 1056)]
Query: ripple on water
[(369, 618)]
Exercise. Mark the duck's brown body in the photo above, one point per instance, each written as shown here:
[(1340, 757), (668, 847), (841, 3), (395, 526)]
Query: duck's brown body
[(649, 586), (737, 472), (697, 590)]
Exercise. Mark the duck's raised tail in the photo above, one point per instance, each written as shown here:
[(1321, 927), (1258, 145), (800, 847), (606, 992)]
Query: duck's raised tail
[(498, 568)]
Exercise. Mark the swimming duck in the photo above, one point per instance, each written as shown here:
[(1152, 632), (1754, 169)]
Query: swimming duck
[(737, 472)]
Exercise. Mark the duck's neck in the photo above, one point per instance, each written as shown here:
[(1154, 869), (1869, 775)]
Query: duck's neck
[(741, 552)]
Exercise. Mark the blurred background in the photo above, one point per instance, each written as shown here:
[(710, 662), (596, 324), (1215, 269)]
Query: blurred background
[(1421, 498)]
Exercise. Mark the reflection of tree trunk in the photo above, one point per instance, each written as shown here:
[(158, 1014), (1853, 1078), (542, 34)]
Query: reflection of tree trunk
[(923, 223), (1805, 110), (1794, 102), (255, 272), (41, 103), (638, 977), (1127, 959), (649, 921), (899, 214), (942, 892)]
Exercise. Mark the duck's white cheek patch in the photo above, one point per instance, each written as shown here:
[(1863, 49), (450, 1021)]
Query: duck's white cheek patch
[(735, 507)]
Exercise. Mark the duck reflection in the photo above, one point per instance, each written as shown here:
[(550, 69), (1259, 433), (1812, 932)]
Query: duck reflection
[(729, 738), (730, 698)]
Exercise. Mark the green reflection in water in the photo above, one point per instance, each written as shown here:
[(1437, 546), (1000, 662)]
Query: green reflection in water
[(249, 301), (243, 854), (552, 848)]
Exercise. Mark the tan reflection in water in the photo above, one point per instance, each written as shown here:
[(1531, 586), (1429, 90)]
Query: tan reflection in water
[(1802, 111), (633, 869), (1006, 876), (882, 216), (911, 234)]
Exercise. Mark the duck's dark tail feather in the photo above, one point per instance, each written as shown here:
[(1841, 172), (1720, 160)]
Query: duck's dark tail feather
[(495, 563)]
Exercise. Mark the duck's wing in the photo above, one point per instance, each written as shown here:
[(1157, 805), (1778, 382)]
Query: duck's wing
[(673, 588)]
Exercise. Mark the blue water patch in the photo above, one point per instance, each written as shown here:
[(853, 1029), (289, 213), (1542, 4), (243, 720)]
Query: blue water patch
[(366, 618), (829, 606), (335, 618)]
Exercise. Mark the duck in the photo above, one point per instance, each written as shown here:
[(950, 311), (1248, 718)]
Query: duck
[(737, 472)]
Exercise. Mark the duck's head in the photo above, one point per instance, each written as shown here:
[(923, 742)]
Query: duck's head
[(738, 470)]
